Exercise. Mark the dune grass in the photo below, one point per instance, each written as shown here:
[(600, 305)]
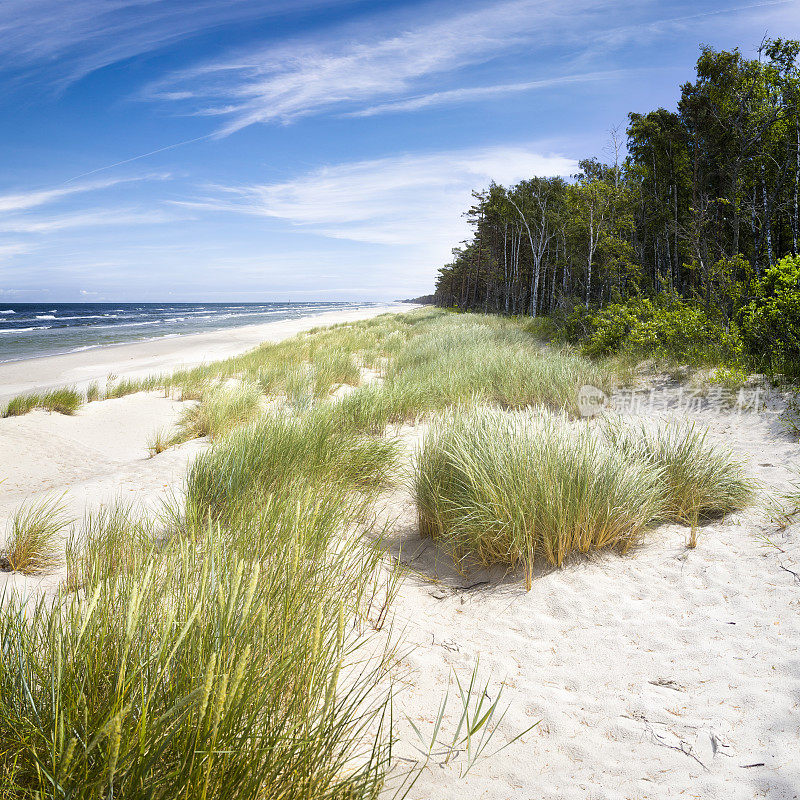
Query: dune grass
[(111, 542), (280, 452), (701, 479), (33, 538), (333, 368), (219, 410), (61, 401), (430, 359), (93, 393), (509, 489), (215, 670), (159, 441)]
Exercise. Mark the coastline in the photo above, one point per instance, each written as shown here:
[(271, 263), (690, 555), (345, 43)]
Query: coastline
[(692, 642), (139, 359)]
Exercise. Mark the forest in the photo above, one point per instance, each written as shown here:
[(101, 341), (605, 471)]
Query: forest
[(696, 212)]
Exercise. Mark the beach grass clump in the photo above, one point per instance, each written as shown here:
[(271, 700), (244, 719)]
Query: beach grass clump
[(220, 409), (22, 404), (202, 674), (334, 367), (112, 541), (121, 387), (371, 408), (159, 441), (701, 479), (62, 401), (33, 539), (508, 489), (285, 453), (93, 393)]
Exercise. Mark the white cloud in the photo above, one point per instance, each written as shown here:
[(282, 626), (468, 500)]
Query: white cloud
[(412, 200), (365, 70), (472, 93), (90, 218), (64, 40), (357, 67), (28, 214), (10, 249), (22, 201)]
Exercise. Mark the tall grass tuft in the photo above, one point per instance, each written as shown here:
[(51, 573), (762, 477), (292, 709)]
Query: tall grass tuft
[(212, 672), (286, 453), (22, 404), (333, 367), (508, 489), (701, 479), (219, 410), (111, 542), (93, 393), (62, 401), (33, 540)]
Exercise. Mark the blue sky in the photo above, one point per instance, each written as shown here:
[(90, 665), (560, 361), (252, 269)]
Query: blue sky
[(307, 149)]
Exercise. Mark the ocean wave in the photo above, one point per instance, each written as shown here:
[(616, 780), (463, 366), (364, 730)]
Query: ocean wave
[(22, 330), (8, 311), (45, 316)]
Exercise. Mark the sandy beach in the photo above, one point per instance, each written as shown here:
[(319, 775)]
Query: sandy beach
[(99, 455), (160, 355), (665, 673)]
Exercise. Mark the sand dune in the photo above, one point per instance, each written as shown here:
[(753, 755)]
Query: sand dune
[(666, 673)]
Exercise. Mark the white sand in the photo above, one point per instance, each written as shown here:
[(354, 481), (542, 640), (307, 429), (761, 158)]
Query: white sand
[(99, 455), (666, 673)]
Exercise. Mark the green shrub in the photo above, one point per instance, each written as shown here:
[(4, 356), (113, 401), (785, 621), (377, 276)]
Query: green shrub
[(678, 331), (771, 321)]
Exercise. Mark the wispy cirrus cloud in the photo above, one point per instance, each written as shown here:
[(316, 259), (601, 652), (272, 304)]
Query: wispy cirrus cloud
[(61, 41), (472, 93), (90, 218), (23, 201), (28, 218), (366, 71), (354, 68), (403, 200)]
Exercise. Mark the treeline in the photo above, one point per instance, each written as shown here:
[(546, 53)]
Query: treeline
[(702, 204)]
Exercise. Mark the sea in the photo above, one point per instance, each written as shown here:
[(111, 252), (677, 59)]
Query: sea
[(30, 330)]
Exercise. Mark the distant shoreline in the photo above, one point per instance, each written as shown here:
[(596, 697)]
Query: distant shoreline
[(35, 330), (161, 354)]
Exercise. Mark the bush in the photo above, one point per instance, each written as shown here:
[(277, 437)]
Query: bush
[(678, 331), (771, 321)]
